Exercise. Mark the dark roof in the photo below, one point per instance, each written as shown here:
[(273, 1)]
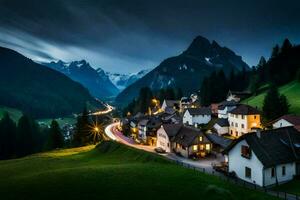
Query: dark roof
[(222, 122), (172, 129), (273, 147), (243, 109), (227, 104), (200, 111), (219, 140), (293, 119), (172, 103), (186, 136)]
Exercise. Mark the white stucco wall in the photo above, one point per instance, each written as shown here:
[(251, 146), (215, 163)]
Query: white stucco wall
[(163, 140), (196, 119), (221, 130), (237, 120), (290, 171), (281, 123), (237, 163)]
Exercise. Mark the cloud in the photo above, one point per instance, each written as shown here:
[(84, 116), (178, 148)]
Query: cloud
[(126, 36)]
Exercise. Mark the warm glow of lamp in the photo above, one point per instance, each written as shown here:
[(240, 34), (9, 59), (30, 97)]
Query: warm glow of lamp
[(96, 129)]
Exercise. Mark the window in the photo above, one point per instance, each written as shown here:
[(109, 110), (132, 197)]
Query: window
[(236, 134), (207, 147), (247, 172), (201, 147), (232, 124), (243, 126), (283, 170), (245, 151), (236, 124), (200, 138), (243, 116), (254, 116), (272, 172), (195, 147)]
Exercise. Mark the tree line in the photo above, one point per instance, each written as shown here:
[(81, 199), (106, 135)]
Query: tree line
[(27, 137), (215, 87), (144, 100)]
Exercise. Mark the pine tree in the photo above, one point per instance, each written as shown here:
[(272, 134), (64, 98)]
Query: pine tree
[(8, 137), (275, 105), (26, 136), (275, 51), (82, 129), (286, 46), (170, 94), (205, 92), (56, 139), (178, 93)]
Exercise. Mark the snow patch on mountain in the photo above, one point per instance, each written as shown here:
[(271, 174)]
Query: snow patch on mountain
[(121, 81)]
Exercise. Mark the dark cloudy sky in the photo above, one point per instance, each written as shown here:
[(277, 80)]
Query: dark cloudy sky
[(128, 35)]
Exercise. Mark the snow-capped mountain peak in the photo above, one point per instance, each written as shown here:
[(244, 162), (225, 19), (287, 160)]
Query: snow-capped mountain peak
[(121, 81)]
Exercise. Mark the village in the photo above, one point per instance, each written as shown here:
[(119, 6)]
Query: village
[(230, 135)]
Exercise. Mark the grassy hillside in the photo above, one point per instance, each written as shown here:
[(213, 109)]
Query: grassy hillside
[(291, 91), (110, 171)]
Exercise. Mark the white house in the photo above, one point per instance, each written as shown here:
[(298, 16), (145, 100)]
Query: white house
[(243, 119), (165, 135), (266, 158), (221, 126), (226, 107), (287, 120), (196, 116)]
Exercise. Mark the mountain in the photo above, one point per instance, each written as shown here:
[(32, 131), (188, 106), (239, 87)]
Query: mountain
[(121, 81), (186, 70), (96, 81), (40, 91)]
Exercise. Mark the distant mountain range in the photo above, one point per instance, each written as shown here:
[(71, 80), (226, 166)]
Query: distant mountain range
[(95, 80), (121, 81), (187, 70), (37, 90)]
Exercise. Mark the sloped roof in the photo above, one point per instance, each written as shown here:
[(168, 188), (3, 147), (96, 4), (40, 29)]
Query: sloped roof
[(222, 122), (243, 109), (172, 129), (273, 147), (225, 104), (171, 103), (199, 111), (222, 141), (293, 119), (186, 136)]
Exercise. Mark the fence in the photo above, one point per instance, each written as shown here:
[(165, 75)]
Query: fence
[(237, 181)]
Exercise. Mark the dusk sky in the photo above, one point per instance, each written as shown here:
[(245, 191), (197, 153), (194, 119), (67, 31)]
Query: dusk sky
[(130, 35)]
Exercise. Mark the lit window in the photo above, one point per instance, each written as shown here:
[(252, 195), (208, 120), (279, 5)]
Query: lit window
[(247, 172), (195, 147), (200, 138), (201, 147), (207, 147)]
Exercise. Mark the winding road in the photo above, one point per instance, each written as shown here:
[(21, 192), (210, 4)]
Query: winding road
[(206, 163)]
